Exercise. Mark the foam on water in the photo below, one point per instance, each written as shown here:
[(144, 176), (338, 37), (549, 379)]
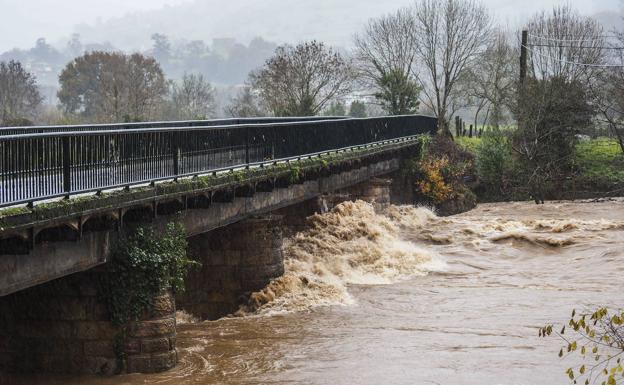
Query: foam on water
[(352, 244)]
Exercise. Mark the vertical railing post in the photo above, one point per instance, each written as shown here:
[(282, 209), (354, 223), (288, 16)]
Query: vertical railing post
[(66, 166), (175, 148), (246, 147), (273, 141)]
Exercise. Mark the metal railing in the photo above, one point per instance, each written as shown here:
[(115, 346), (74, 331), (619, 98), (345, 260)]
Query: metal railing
[(38, 166), (163, 124)]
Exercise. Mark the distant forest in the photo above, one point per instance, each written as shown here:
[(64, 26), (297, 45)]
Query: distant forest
[(224, 61)]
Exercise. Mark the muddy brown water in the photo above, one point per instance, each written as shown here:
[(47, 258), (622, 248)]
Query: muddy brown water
[(405, 297)]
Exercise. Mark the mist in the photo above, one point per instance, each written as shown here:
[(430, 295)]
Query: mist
[(128, 25)]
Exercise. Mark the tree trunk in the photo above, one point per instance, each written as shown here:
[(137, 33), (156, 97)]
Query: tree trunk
[(443, 129)]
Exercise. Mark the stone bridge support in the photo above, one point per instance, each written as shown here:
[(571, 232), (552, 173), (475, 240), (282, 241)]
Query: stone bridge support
[(236, 260), (64, 327), (375, 190)]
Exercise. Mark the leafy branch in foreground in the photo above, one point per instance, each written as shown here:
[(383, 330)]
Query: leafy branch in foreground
[(598, 338)]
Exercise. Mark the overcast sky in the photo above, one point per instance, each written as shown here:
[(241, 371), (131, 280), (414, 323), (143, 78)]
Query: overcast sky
[(23, 21)]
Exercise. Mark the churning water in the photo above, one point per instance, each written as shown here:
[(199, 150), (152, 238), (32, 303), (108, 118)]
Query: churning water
[(405, 297)]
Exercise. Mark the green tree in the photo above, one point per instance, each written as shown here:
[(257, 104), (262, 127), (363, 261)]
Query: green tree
[(398, 94), (385, 55), (495, 164)]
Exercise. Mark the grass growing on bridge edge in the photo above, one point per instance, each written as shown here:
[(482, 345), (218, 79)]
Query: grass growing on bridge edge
[(22, 217)]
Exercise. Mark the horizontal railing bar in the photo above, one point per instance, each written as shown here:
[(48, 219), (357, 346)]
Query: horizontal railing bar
[(193, 128), (166, 123)]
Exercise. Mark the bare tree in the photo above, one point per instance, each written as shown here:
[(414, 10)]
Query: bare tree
[(451, 34), (112, 87), (386, 58), (245, 105), (609, 91), (301, 80), (19, 95), (564, 44), (146, 86), (491, 80), (192, 98), (557, 100)]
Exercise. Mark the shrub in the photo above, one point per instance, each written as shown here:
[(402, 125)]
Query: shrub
[(432, 183), (143, 266), (442, 171), (495, 163)]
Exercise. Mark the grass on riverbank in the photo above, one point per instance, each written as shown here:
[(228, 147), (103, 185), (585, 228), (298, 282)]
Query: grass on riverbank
[(602, 159), (469, 144), (599, 163), (595, 158)]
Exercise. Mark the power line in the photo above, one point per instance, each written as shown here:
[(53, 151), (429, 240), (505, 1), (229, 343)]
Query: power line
[(573, 46), (575, 63), (595, 38)]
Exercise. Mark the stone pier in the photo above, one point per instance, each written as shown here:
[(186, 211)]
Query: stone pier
[(63, 327), (294, 217), (375, 190), (236, 260)]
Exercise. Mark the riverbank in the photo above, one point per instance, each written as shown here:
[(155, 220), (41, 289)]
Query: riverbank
[(597, 171)]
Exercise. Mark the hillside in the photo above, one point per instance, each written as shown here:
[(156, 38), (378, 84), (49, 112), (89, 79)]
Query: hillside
[(275, 20)]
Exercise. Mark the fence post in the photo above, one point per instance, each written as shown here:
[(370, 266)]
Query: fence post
[(66, 166)]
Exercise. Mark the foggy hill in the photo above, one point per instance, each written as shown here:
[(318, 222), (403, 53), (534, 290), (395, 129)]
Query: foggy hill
[(333, 22)]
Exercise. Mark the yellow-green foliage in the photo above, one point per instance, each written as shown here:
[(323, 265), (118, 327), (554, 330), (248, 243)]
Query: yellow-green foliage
[(597, 339), (432, 184), (440, 170), (600, 159), (467, 143)]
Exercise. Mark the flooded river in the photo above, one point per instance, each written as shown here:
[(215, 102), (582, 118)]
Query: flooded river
[(405, 297)]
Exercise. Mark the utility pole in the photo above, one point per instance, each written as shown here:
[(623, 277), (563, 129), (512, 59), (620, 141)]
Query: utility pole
[(523, 71), (523, 56)]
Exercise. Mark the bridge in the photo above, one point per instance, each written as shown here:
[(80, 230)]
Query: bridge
[(67, 193)]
